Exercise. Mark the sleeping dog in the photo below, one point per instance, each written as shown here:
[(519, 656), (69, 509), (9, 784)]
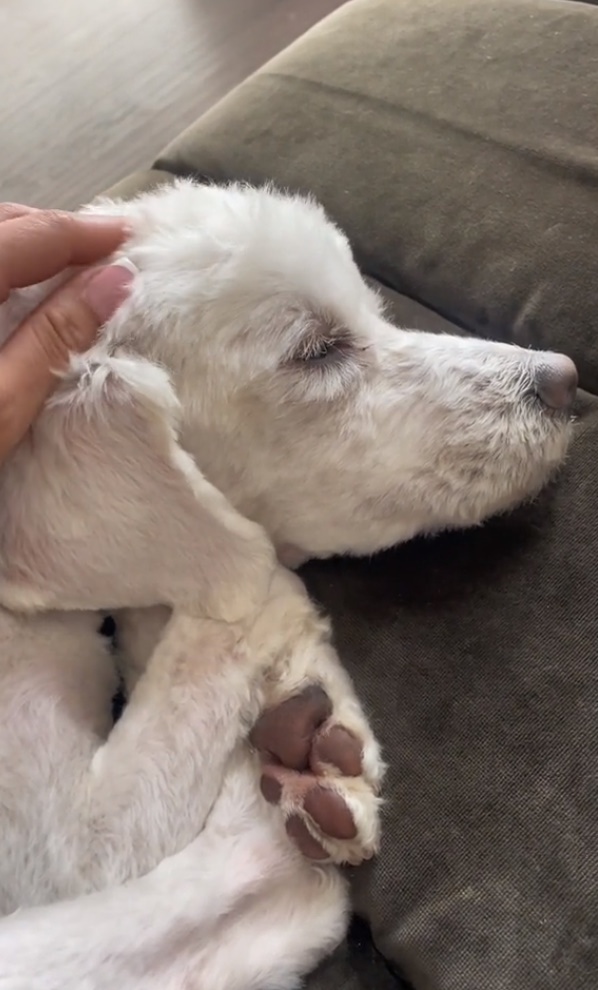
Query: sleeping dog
[(248, 407)]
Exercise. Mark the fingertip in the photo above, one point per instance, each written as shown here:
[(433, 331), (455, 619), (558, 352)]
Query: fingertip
[(108, 288), (114, 225)]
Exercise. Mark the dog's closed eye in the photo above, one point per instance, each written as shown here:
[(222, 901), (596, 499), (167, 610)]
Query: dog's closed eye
[(322, 351), (320, 359), (322, 343)]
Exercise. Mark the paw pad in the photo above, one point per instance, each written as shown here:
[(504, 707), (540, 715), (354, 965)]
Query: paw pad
[(302, 751), (286, 731)]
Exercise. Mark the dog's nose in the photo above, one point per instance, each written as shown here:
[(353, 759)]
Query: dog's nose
[(556, 382)]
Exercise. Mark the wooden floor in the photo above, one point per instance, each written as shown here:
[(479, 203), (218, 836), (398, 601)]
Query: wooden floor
[(92, 89)]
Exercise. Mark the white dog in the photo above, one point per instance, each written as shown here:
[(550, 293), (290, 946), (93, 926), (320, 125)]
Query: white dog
[(252, 351)]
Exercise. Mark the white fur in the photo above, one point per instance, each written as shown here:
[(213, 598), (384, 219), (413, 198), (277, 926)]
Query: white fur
[(144, 856)]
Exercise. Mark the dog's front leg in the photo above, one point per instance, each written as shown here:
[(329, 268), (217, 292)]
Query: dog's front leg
[(321, 761), (151, 785)]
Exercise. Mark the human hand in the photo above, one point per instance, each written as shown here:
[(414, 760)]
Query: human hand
[(36, 245)]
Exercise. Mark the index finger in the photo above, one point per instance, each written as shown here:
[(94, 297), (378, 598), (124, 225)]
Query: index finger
[(38, 245)]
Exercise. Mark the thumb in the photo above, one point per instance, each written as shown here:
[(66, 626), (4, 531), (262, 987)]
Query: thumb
[(66, 321)]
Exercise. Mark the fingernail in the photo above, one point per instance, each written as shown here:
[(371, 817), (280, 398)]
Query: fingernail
[(106, 219), (108, 288)]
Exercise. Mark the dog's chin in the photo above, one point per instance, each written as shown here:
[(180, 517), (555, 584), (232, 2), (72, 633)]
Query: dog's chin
[(537, 480)]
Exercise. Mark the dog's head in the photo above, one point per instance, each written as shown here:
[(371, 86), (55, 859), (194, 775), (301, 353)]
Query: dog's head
[(315, 417), (331, 427)]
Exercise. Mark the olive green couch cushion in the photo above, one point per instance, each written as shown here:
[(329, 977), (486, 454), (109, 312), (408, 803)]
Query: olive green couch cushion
[(456, 143)]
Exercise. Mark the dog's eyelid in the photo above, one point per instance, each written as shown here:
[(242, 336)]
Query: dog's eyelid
[(319, 339), (320, 348)]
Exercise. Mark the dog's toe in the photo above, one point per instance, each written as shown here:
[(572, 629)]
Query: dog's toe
[(329, 812), (298, 831), (286, 731), (337, 747), (302, 793)]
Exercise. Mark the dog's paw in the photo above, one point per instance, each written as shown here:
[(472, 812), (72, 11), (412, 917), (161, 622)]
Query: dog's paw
[(324, 770)]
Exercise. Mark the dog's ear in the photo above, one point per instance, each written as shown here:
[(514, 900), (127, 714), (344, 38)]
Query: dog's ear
[(101, 508)]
